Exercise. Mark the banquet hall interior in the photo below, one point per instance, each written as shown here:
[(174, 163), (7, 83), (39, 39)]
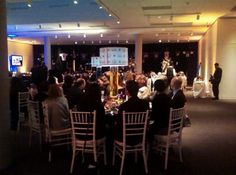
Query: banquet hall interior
[(119, 40)]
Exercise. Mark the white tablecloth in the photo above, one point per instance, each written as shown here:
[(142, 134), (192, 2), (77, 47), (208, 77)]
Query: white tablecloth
[(199, 89)]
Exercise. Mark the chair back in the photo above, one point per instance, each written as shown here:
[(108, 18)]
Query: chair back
[(22, 99), (176, 120), (83, 125), (34, 115), (134, 127), (46, 120)]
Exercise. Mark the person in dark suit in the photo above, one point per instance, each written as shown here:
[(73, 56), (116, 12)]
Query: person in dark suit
[(215, 81), (161, 104), (92, 101), (134, 104), (178, 98)]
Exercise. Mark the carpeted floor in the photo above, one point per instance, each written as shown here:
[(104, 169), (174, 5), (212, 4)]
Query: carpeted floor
[(209, 148)]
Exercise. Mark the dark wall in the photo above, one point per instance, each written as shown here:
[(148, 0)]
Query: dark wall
[(184, 55)]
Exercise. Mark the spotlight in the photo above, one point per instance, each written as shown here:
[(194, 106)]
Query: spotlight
[(118, 21), (76, 42), (101, 35), (29, 5), (85, 36), (69, 36), (75, 2), (110, 14)]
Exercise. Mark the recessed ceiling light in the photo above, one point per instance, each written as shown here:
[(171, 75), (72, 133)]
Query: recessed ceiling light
[(159, 41), (101, 35), (76, 42), (85, 36), (69, 36)]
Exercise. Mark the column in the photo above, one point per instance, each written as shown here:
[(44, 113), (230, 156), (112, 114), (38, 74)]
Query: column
[(47, 53), (138, 53), (6, 153)]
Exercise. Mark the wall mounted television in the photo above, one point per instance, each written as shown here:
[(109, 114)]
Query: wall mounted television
[(16, 60)]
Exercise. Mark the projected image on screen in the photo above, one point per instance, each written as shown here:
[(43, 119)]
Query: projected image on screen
[(16, 60)]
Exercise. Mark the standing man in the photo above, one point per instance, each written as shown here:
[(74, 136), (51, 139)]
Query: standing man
[(215, 81)]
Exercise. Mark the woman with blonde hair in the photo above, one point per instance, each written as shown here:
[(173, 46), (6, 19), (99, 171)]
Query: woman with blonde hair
[(58, 110)]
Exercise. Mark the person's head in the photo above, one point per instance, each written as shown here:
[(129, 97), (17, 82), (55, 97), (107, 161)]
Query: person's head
[(54, 91), (160, 85), (216, 65), (176, 82), (80, 82), (132, 88), (93, 91), (68, 79)]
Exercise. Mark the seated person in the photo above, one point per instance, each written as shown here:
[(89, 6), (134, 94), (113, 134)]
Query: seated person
[(92, 101), (134, 104), (144, 93), (161, 104), (76, 92), (58, 109), (178, 98)]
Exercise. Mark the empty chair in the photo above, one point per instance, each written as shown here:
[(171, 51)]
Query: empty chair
[(174, 135), (134, 128), (54, 137), (84, 136), (22, 105), (35, 125)]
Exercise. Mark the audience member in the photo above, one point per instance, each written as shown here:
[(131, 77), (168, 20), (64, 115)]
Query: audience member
[(58, 109), (134, 104), (92, 101), (177, 95), (161, 104), (76, 92), (16, 86)]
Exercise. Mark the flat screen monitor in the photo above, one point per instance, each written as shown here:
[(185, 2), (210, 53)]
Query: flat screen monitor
[(16, 60)]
